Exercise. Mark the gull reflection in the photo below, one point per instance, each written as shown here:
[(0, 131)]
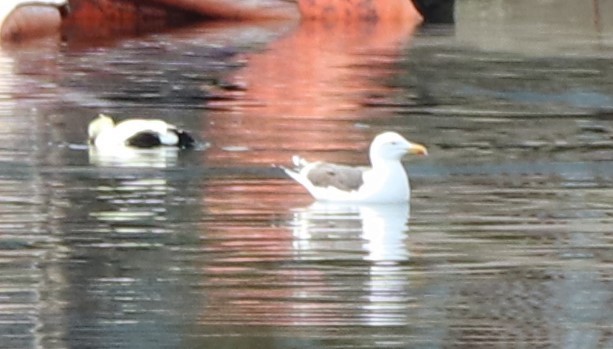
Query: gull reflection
[(382, 228), (326, 231)]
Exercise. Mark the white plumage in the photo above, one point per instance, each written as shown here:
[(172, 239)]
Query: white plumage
[(137, 133), (385, 181)]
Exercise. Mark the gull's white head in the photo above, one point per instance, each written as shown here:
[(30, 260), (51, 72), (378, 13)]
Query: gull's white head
[(101, 123), (392, 146)]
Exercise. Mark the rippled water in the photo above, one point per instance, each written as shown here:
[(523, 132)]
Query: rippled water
[(507, 240)]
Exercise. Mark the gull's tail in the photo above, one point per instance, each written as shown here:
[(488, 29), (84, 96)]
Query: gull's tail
[(299, 163)]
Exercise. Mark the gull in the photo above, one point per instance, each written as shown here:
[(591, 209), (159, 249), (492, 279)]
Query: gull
[(385, 181)]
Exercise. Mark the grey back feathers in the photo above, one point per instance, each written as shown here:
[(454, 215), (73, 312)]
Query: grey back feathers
[(343, 177)]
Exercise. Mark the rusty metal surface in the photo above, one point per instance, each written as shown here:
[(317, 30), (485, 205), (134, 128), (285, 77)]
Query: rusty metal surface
[(30, 21)]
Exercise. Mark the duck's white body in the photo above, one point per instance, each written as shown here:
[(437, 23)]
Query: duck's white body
[(8, 6), (386, 181), (137, 133)]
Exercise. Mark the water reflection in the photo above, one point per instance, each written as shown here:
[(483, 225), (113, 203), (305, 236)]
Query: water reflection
[(267, 266), (335, 68), (326, 231), (121, 235), (159, 157), (382, 228), (132, 200), (6, 66), (509, 239)]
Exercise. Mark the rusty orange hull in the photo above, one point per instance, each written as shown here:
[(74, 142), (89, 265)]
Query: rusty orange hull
[(236, 9), (112, 17), (370, 10), (30, 22)]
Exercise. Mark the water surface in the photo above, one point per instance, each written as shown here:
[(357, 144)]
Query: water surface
[(507, 240)]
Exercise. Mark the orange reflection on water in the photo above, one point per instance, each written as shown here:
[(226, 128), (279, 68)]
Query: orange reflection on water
[(267, 265), (240, 238), (306, 91), (303, 93)]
